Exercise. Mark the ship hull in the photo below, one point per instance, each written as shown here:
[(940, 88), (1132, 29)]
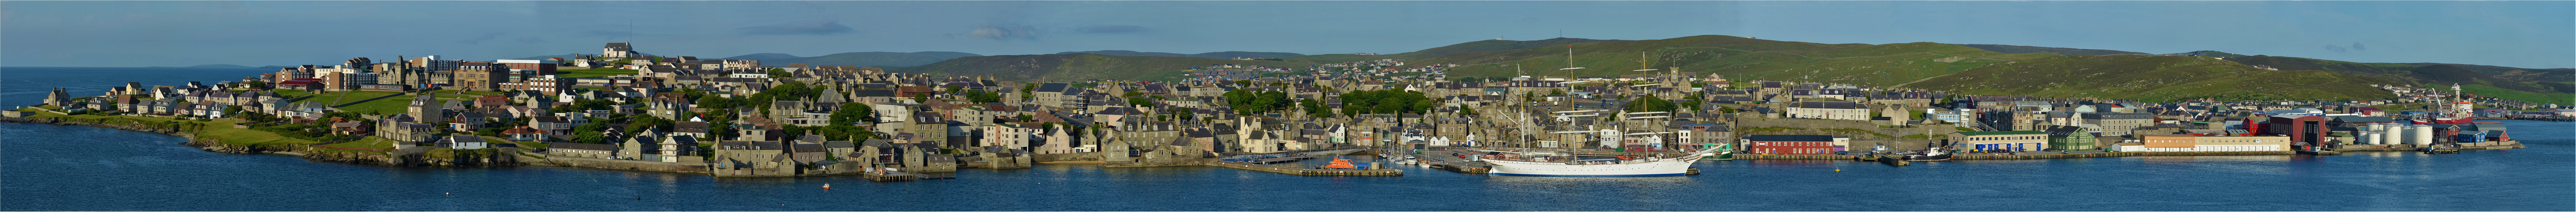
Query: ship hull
[(1669, 167)]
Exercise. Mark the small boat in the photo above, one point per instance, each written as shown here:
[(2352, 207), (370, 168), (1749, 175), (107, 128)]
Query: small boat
[(827, 186), (1929, 154)]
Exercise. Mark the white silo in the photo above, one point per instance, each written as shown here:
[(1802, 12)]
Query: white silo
[(2423, 135), (2371, 138)]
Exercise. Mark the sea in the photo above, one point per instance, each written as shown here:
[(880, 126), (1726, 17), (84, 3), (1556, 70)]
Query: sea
[(73, 168)]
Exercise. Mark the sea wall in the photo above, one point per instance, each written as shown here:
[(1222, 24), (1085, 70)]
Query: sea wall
[(1086, 156), (652, 166)]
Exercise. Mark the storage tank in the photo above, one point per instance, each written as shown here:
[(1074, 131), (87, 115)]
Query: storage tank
[(2392, 134), (2370, 138), (2420, 136)]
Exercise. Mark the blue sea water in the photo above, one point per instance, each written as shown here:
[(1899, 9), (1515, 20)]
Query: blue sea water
[(56, 168)]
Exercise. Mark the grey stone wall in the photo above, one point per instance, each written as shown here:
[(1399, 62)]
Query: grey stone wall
[(655, 166)]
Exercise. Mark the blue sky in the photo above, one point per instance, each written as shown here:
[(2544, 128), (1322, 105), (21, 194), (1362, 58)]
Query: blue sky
[(2529, 34)]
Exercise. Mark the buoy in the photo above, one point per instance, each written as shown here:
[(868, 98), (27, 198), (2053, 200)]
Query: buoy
[(451, 193), (1838, 170), (827, 186)]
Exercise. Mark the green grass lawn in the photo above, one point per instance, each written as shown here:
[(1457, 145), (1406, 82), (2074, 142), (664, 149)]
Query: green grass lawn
[(381, 106), (340, 97), (591, 73)]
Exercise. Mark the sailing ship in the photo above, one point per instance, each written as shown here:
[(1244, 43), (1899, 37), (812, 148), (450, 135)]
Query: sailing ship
[(1555, 163), (1552, 160)]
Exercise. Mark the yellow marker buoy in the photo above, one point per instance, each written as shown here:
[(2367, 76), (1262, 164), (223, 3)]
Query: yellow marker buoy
[(1838, 170)]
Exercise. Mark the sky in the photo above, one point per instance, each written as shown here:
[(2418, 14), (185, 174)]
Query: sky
[(2526, 34)]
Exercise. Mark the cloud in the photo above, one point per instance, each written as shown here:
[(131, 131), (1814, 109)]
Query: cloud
[(811, 27), (1005, 33), (530, 39), (480, 39), (2356, 46), (1110, 29)]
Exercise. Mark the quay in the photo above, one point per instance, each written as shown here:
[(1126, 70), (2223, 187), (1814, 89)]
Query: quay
[(1263, 165)]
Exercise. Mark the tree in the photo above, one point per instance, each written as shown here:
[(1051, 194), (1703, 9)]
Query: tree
[(1139, 101), (780, 73), (642, 123), (1468, 79), (590, 133), (852, 113)]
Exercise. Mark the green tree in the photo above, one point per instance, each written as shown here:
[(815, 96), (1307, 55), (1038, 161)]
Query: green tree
[(642, 123), (780, 73), (853, 112), (592, 133)]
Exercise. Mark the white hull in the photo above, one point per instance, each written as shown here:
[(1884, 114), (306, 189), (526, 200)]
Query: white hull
[(1676, 166)]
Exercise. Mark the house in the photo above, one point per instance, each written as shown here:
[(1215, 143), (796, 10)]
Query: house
[(524, 134), (464, 142), (2190, 143), (1792, 144), (2032, 140), (581, 150), (1829, 110), (2071, 138)]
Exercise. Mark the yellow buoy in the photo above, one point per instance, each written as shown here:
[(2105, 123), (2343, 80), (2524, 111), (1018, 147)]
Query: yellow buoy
[(1838, 170)]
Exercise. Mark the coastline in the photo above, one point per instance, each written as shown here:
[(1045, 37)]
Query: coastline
[(516, 157)]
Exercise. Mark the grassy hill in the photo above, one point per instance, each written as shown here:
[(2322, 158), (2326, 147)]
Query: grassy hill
[(2151, 78), (2533, 85), (1214, 55), (1474, 46), (876, 59), (2012, 49), (1061, 67), (762, 56), (2511, 73), (2204, 53), (1737, 58)]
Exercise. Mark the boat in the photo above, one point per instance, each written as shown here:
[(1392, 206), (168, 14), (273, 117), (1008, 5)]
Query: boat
[(1929, 154), (2457, 110), (1550, 163), (1339, 163)]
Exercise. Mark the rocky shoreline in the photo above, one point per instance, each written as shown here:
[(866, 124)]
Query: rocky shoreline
[(454, 158)]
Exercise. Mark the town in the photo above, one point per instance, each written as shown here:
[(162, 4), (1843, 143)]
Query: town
[(742, 118)]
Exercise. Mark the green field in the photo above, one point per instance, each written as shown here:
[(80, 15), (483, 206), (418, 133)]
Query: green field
[(381, 106), (591, 73)]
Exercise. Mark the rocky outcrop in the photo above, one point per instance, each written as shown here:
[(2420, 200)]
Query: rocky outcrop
[(442, 157)]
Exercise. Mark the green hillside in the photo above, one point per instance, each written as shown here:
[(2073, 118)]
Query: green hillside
[(2153, 79), (876, 59), (1214, 55), (2204, 53), (1473, 46), (2533, 88), (2012, 49), (2523, 74), (1737, 58), (1060, 67)]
